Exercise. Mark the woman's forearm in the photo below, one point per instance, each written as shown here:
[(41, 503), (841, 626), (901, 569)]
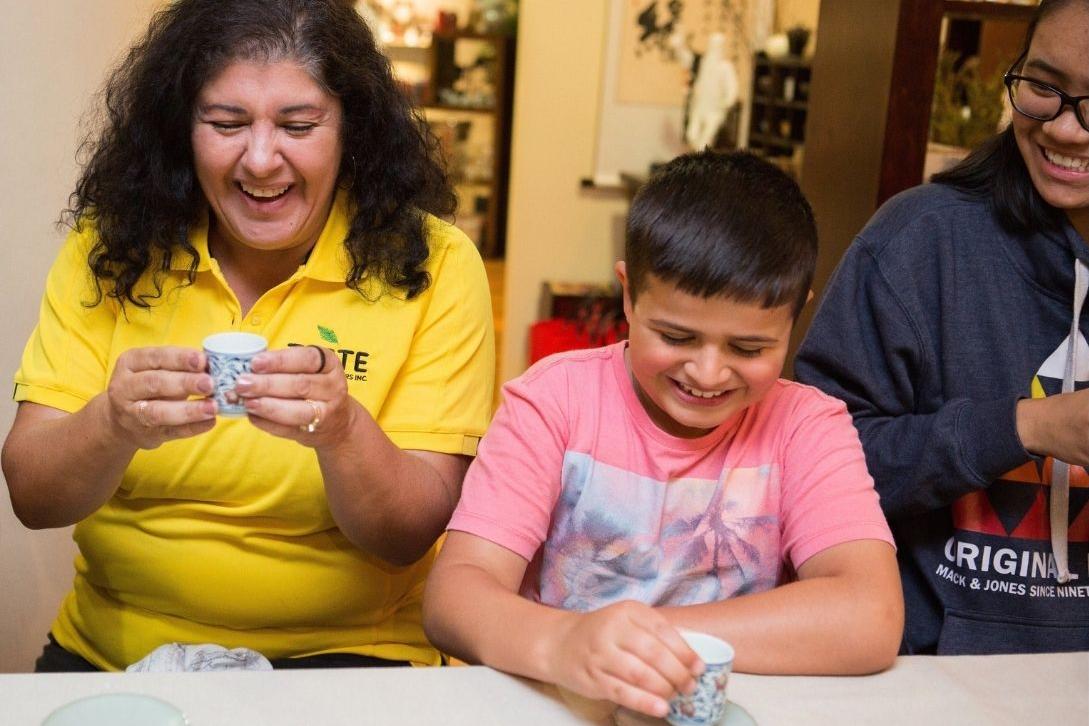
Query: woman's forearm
[(60, 467), (388, 502)]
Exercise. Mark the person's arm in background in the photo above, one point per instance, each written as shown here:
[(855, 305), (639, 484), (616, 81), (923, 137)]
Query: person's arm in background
[(867, 346), (1056, 426)]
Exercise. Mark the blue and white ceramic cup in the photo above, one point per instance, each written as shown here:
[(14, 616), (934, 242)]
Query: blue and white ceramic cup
[(707, 705), (229, 356)]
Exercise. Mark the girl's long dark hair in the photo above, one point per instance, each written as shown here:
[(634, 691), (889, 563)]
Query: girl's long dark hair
[(138, 186), (997, 170)]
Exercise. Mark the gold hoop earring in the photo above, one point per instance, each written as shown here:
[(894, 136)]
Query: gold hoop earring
[(351, 177)]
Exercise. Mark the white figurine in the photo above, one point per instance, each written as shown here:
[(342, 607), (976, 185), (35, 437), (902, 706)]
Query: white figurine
[(714, 91)]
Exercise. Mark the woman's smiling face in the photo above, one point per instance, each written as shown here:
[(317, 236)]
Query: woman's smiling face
[(266, 149), (1056, 152)]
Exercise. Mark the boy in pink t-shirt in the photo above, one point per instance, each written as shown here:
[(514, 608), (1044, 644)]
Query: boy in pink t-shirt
[(675, 480)]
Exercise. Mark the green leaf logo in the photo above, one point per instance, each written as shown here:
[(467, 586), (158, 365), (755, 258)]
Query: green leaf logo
[(328, 335)]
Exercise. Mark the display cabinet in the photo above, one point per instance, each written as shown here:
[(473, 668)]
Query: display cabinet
[(780, 100), (464, 84)]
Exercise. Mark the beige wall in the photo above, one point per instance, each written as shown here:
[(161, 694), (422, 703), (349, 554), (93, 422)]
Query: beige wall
[(789, 13), (555, 230), (53, 58)]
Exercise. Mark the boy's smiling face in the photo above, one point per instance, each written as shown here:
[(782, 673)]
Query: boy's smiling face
[(696, 361)]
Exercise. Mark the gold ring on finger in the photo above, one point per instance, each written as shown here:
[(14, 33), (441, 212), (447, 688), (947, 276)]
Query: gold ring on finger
[(313, 425)]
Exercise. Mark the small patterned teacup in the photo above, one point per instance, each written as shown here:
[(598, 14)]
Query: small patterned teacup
[(707, 705), (229, 356)]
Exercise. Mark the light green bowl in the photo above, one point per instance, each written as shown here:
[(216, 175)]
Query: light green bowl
[(116, 709)]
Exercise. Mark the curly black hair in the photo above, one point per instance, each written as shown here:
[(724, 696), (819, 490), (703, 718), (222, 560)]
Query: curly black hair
[(138, 185)]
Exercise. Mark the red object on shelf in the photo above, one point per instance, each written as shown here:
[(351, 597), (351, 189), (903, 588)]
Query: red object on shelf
[(556, 335), (446, 22)]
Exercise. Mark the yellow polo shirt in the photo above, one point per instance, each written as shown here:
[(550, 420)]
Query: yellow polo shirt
[(227, 537)]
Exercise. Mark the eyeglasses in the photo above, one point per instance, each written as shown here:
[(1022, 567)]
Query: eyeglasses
[(1042, 101)]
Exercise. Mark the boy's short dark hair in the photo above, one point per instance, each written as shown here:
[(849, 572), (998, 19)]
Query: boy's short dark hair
[(728, 224)]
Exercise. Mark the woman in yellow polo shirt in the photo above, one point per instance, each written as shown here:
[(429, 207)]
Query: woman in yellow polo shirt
[(259, 171)]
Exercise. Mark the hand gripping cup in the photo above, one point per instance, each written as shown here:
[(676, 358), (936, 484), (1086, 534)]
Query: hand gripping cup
[(229, 356), (707, 705)]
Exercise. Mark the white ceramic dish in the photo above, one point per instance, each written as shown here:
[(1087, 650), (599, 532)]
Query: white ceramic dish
[(117, 709)]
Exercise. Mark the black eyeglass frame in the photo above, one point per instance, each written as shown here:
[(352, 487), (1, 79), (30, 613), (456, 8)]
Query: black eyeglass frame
[(1065, 99)]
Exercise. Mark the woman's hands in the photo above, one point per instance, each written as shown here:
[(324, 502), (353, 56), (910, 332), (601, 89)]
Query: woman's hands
[(299, 393), (395, 506), (149, 395), (627, 653)]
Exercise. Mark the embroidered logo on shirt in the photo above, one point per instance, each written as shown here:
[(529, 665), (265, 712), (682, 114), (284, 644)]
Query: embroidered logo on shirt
[(354, 362)]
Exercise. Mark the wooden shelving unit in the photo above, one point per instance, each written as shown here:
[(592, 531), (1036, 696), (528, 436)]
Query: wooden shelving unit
[(780, 101), (437, 98)]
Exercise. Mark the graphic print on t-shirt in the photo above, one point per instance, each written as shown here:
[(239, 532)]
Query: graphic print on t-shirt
[(1002, 541), (617, 535)]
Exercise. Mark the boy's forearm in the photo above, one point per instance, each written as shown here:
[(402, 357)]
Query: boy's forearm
[(471, 616), (823, 625)]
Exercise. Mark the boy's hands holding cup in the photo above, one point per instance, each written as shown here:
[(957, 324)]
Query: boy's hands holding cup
[(626, 653)]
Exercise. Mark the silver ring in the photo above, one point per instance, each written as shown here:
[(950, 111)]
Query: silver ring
[(313, 425), (141, 412)]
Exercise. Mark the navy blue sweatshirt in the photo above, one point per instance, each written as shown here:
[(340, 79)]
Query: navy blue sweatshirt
[(935, 323)]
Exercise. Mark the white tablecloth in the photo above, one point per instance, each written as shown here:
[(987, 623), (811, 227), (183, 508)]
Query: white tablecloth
[(1016, 690)]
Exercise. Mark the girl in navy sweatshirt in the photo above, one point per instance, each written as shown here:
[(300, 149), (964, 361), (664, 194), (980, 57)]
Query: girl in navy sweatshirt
[(953, 329)]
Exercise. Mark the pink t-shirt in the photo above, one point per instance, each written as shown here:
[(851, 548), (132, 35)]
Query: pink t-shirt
[(575, 477)]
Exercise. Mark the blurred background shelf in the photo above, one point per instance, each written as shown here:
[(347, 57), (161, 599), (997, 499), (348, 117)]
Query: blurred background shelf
[(780, 103), (463, 83)]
